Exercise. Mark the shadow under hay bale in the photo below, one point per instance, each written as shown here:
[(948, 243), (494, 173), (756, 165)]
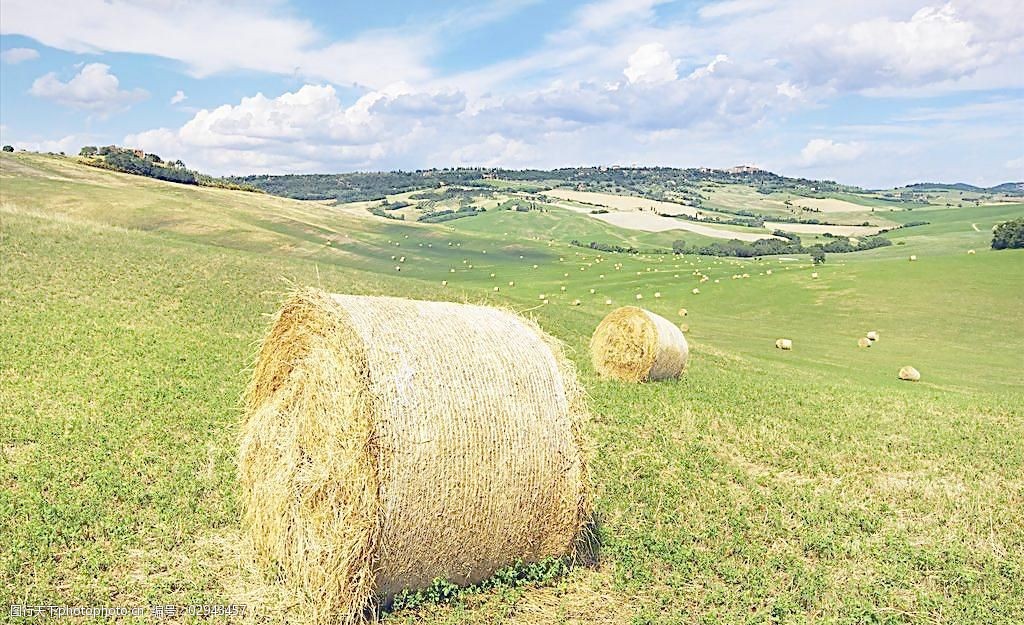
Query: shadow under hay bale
[(389, 442), (635, 345)]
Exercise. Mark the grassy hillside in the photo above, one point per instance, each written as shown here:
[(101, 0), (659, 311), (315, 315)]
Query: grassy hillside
[(763, 487)]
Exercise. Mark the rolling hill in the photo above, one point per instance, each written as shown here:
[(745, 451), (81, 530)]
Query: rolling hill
[(763, 486)]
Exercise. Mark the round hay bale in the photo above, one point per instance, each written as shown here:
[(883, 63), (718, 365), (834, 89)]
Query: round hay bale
[(913, 257), (683, 312), (909, 374), (389, 442), (635, 345), (786, 344), (971, 252), (863, 342), (872, 335)]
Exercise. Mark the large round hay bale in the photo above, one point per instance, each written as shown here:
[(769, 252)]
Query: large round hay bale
[(863, 342), (872, 335), (636, 345), (786, 344), (909, 374), (388, 442)]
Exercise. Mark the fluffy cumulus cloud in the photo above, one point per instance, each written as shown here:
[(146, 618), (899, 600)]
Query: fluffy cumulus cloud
[(819, 152), (305, 129), (178, 97), (401, 125), (94, 88), (651, 63), (13, 56), (936, 43)]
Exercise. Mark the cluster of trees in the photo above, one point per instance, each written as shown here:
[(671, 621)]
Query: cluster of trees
[(789, 243), (742, 249), (8, 148), (606, 247), (1009, 235), (152, 166), (126, 161), (385, 213), (843, 245), (434, 217)]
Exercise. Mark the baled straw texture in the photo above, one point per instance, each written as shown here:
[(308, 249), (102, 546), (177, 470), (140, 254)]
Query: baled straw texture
[(388, 442), (909, 374), (635, 345)]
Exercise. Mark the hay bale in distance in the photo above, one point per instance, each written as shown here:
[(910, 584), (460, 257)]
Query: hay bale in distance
[(682, 312), (909, 374), (388, 442), (863, 342), (635, 345), (786, 344), (872, 335), (913, 257)]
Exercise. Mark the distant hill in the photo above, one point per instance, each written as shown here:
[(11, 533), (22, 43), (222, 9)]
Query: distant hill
[(1009, 188), (652, 182)]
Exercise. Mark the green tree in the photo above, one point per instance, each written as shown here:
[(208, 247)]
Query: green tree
[(817, 255), (8, 148), (1009, 235), (88, 150)]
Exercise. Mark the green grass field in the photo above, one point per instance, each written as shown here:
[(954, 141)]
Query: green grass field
[(763, 487)]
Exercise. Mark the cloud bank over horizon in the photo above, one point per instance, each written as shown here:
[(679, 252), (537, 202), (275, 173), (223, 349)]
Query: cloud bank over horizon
[(876, 94)]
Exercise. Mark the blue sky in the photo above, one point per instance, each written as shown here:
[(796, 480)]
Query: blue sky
[(875, 92)]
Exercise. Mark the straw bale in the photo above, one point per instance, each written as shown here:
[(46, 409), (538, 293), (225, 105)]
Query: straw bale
[(636, 345), (387, 442), (909, 374)]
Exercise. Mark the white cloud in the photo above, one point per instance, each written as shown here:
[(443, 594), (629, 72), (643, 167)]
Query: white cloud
[(1017, 165), (819, 152), (305, 129), (936, 43), (68, 144), (789, 90), (178, 97), (607, 14), (218, 36), (13, 56), (709, 69), (651, 63), (729, 8), (94, 88)]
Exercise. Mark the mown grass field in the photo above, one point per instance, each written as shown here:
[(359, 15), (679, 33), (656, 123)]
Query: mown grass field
[(763, 487)]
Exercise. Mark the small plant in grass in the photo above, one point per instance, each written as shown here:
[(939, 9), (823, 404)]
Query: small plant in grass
[(514, 576)]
